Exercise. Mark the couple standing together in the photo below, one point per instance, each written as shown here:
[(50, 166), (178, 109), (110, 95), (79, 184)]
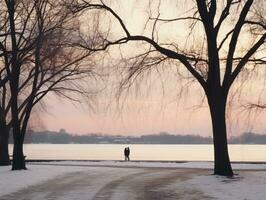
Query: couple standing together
[(126, 153)]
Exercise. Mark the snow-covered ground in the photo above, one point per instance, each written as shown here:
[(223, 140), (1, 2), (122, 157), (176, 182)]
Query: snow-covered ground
[(247, 186), (12, 181), (129, 180)]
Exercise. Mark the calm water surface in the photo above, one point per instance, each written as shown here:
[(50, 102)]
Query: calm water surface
[(140, 152)]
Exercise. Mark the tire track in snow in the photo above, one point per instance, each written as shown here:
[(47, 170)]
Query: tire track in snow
[(115, 184)]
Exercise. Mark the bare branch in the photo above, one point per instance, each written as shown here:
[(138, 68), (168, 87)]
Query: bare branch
[(176, 19), (234, 39), (247, 56)]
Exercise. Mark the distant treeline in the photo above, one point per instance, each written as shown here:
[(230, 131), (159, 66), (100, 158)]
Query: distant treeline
[(63, 137)]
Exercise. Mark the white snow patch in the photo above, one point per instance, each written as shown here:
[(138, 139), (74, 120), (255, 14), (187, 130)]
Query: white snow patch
[(12, 181), (248, 186)]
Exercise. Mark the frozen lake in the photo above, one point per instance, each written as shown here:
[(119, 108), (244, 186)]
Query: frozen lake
[(140, 152)]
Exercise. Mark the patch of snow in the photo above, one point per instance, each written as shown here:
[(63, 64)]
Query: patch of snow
[(12, 181), (250, 186)]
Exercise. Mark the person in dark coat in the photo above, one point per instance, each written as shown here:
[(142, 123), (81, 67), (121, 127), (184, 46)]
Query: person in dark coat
[(126, 153)]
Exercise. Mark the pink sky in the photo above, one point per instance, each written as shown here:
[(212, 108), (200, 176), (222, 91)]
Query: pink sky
[(141, 117), (146, 115)]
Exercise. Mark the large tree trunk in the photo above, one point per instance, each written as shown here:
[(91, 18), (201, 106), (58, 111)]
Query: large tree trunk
[(18, 156), (14, 74), (217, 105), (4, 136), (18, 162)]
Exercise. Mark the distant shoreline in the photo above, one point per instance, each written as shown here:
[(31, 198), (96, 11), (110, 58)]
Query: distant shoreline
[(139, 161), (139, 144), (62, 137)]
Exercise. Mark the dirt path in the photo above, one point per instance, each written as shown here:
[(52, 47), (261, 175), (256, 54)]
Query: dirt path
[(115, 184)]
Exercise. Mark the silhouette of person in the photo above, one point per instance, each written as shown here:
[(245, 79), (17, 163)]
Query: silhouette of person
[(126, 153)]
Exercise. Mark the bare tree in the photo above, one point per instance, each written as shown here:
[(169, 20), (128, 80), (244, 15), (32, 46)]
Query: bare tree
[(42, 58), (215, 65), (4, 127), (4, 105)]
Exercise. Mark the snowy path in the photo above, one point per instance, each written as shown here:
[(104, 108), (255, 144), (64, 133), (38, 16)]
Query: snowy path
[(131, 181), (114, 184)]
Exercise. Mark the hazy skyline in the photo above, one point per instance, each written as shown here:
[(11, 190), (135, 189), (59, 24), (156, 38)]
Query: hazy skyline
[(148, 117)]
